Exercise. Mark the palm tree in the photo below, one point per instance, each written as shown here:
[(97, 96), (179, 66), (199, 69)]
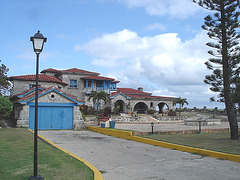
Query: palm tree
[(181, 102), (97, 97)]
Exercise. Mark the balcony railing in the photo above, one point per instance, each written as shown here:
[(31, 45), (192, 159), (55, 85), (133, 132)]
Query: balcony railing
[(98, 89)]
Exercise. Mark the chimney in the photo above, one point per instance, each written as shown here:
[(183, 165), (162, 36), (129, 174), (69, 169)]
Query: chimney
[(140, 89)]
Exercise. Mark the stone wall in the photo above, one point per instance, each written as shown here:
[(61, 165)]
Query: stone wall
[(21, 113), (78, 122), (195, 111), (53, 97), (21, 86), (74, 91)]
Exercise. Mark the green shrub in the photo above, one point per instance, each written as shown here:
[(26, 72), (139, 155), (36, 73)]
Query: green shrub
[(6, 107), (91, 111), (116, 109), (83, 116), (172, 113), (151, 111)]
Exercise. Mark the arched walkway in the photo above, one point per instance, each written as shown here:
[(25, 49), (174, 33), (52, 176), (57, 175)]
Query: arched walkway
[(141, 108), (163, 107), (121, 104)]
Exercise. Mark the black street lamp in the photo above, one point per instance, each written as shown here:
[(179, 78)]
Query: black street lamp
[(152, 124), (38, 41)]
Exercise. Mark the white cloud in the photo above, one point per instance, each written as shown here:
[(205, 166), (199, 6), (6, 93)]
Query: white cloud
[(174, 8), (104, 63), (155, 26), (62, 36), (162, 63)]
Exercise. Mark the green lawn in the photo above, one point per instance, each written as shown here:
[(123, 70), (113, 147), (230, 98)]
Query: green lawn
[(16, 158), (212, 141)]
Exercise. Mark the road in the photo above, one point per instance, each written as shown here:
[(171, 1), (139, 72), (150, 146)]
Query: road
[(120, 159)]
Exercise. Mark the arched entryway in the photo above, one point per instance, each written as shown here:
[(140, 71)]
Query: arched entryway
[(121, 104), (141, 108), (162, 107)]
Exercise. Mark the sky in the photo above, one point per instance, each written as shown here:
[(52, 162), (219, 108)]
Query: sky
[(155, 44)]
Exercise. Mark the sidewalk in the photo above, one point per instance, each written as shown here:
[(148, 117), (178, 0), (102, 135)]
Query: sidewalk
[(170, 127)]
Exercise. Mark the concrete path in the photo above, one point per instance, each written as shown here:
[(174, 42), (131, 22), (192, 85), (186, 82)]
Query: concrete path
[(121, 159), (168, 127)]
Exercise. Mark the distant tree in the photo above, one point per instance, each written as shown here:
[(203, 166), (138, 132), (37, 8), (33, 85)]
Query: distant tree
[(97, 97), (181, 103), (236, 92), (4, 83), (6, 107), (223, 28)]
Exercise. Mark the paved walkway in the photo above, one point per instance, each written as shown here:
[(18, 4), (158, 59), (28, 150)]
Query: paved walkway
[(168, 127), (121, 159)]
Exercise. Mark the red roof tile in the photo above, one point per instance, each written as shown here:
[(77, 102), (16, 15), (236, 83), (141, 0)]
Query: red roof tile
[(98, 78), (136, 93), (41, 77), (153, 97), (132, 91), (75, 70), (42, 91), (50, 70), (116, 81)]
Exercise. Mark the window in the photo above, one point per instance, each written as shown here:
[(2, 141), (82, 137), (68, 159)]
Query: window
[(73, 83), (113, 86), (89, 83), (33, 85), (151, 104), (99, 84)]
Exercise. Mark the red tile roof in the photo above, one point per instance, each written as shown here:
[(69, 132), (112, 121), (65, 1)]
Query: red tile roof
[(41, 91), (50, 70), (132, 91), (137, 94), (75, 70), (41, 77), (116, 81), (98, 78)]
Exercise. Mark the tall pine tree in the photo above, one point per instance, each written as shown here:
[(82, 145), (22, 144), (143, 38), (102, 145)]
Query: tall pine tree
[(223, 28), (4, 84)]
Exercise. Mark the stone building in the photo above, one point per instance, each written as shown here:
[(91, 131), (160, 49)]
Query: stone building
[(137, 101), (61, 91)]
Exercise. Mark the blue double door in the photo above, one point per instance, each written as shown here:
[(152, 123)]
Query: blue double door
[(52, 117)]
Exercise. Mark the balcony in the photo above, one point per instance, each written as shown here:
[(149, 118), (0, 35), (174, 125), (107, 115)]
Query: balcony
[(98, 89), (105, 86)]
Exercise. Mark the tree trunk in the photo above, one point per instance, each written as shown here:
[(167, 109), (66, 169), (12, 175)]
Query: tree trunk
[(230, 106), (98, 121)]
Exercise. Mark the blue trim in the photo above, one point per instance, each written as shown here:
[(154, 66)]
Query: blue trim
[(86, 85), (56, 92), (73, 83), (120, 94), (29, 92), (52, 104), (113, 86)]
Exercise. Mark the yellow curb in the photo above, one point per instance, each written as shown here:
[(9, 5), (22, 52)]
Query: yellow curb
[(128, 135), (96, 172)]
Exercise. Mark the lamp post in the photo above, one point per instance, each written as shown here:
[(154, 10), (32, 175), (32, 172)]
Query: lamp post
[(152, 124), (38, 41)]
